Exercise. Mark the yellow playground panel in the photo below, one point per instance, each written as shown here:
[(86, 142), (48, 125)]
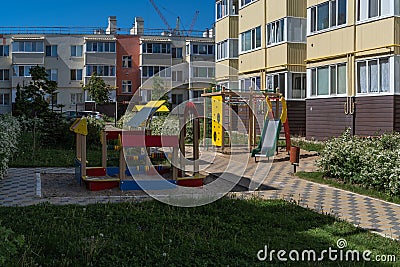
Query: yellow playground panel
[(217, 130)]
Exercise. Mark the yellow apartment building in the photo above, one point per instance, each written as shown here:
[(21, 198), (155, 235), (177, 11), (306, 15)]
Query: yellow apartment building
[(353, 67), (270, 36)]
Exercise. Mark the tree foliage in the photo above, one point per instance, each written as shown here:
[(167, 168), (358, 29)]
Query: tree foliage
[(31, 99), (98, 90)]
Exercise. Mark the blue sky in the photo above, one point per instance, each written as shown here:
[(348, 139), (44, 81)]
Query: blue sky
[(95, 13)]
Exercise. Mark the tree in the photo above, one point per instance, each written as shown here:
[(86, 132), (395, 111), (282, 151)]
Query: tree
[(98, 90), (31, 99), (159, 92)]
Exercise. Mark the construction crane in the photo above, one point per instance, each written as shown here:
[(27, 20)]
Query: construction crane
[(162, 16), (196, 15)]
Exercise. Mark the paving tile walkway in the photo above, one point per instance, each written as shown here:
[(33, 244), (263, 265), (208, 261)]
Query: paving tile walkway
[(21, 188)]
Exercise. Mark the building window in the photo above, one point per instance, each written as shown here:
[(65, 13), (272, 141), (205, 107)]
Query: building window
[(161, 71), (126, 86), (76, 75), (156, 48), (52, 74), (287, 30), (276, 32), (127, 61), (202, 49), (246, 2), (4, 50), (4, 74), (299, 85), (222, 9), (203, 72), (21, 71), (100, 47), (329, 80), (76, 50), (51, 50), (100, 70), (25, 46), (249, 84), (373, 76), (4, 99), (177, 76), (250, 39), (177, 52), (222, 50), (367, 9), (76, 98), (328, 14), (177, 99), (276, 83)]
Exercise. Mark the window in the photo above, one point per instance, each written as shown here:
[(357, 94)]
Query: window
[(4, 99), (222, 50), (101, 47), (25, 46), (76, 98), (127, 61), (288, 29), (76, 75), (374, 8), (52, 74), (275, 32), (299, 85), (21, 71), (177, 52), (177, 99), (222, 9), (4, 50), (76, 50), (51, 50), (328, 14), (150, 71), (177, 76), (202, 49), (246, 2), (203, 72), (373, 76), (329, 80), (252, 83), (126, 86), (156, 48), (276, 82), (4, 74), (251, 39), (100, 70)]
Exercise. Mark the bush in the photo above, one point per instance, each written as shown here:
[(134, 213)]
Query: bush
[(370, 162), (10, 246), (9, 133)]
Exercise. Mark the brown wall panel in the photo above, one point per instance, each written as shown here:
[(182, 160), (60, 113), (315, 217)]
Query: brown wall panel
[(297, 117)]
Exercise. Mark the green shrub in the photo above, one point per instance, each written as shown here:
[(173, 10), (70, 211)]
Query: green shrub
[(9, 133), (370, 162), (10, 246)]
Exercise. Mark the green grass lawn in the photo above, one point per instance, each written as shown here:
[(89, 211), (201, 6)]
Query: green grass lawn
[(229, 232), (318, 177)]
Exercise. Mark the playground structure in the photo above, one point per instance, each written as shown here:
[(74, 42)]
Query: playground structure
[(136, 149), (251, 107)]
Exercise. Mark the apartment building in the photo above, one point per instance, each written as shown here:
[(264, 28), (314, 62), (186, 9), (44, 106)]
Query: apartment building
[(181, 63), (265, 40), (353, 67)]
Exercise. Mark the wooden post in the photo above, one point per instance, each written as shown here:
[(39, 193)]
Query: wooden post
[(251, 132), (83, 155), (174, 159), (104, 150), (196, 152), (222, 123), (78, 146), (122, 164), (182, 147)]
